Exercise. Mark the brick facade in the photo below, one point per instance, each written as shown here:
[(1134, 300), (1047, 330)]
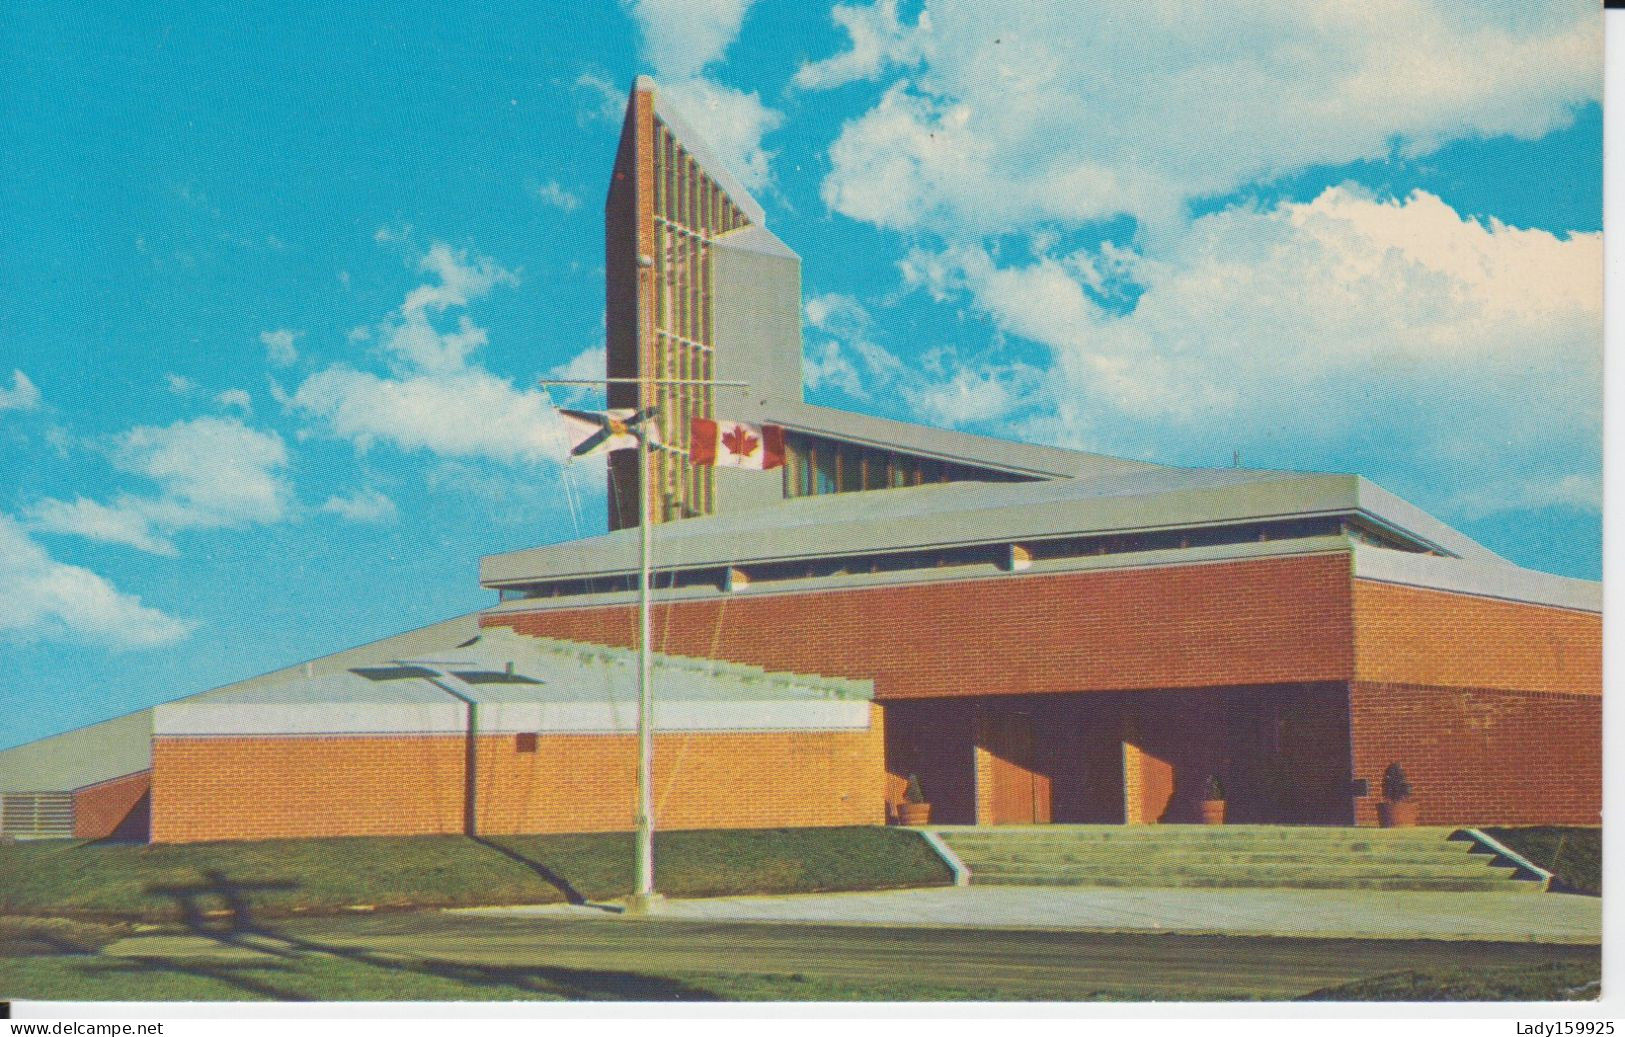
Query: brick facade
[(268, 788), (1411, 636), (1241, 669), (1115, 693), (271, 787), (1247, 622), (1481, 755), (115, 809)]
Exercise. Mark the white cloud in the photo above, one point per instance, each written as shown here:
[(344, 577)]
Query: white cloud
[(361, 506), (841, 354), (124, 522), (212, 473), (1575, 491), (971, 392), (435, 399), (236, 398), (511, 498), (461, 280), (414, 340), (589, 363), (60, 440), (824, 364), (179, 384), (601, 100), (943, 387), (1345, 332), (388, 234), (878, 40), (558, 197), (50, 599), (23, 394), (681, 37), (279, 346), (1073, 112), (469, 413), (835, 313), (410, 335), (732, 122)]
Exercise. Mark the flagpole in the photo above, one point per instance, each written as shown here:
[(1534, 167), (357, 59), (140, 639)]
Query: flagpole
[(643, 895), (644, 898)]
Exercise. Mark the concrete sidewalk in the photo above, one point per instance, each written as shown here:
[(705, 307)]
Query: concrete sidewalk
[(1336, 913)]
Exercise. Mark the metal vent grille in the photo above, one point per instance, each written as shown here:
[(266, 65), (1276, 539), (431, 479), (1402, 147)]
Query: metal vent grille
[(36, 815)]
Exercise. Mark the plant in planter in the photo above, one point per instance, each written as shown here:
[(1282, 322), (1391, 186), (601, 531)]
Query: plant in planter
[(1397, 809), (913, 810), (1213, 804)]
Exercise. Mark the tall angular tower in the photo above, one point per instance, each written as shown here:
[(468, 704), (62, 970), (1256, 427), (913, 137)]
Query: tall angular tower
[(697, 288)]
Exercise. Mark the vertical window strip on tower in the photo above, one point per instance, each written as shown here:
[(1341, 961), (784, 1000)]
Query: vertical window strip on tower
[(690, 210)]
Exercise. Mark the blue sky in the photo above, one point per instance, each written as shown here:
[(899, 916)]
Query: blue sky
[(279, 281)]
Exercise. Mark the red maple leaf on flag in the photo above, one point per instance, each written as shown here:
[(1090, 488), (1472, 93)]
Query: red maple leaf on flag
[(740, 442)]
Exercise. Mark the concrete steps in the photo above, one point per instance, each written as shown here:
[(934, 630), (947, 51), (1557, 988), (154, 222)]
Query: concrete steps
[(1233, 856)]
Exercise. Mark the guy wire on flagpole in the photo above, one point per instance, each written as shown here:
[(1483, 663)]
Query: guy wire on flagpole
[(643, 897)]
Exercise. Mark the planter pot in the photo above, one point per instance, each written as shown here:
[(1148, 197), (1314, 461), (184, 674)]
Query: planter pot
[(913, 813), (1396, 815), (1213, 811)]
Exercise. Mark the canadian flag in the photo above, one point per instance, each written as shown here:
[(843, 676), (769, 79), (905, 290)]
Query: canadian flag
[(734, 444)]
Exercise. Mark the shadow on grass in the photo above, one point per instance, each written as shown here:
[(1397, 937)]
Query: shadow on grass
[(232, 974), (541, 871), (233, 925), (35, 943)]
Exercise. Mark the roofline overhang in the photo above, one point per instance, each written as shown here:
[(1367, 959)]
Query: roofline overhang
[(615, 554), (1153, 559)]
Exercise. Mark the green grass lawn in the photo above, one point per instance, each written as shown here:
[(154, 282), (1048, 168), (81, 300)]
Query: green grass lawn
[(111, 881), (1572, 854)]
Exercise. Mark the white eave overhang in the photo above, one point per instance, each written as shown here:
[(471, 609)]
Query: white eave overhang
[(952, 515)]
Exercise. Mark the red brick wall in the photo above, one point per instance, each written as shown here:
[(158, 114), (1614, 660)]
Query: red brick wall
[(260, 788), (266, 788), (113, 809), (1478, 756), (586, 783), (1408, 635), (1249, 622)]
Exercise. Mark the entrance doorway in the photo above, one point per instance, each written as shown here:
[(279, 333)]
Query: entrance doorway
[(1020, 793)]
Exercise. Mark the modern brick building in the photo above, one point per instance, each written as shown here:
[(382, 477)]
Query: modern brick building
[(1050, 635)]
